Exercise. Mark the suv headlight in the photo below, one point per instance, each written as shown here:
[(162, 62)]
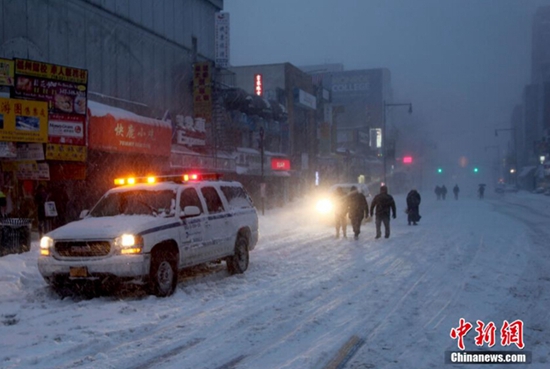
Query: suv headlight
[(46, 246), (129, 244), (324, 206)]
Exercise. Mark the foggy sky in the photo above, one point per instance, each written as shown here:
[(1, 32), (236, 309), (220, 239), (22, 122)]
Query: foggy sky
[(462, 63)]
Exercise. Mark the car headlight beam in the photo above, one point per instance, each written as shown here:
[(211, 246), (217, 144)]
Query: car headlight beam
[(129, 244), (324, 206), (46, 246)]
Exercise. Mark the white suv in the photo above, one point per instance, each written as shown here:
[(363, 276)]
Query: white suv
[(146, 231)]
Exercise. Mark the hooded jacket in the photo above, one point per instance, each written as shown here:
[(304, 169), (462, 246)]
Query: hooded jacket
[(383, 203)]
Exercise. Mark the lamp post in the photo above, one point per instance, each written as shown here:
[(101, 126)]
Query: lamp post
[(262, 184), (386, 105), (515, 150), (499, 171)]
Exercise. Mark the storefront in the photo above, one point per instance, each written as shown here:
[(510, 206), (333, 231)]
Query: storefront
[(122, 143)]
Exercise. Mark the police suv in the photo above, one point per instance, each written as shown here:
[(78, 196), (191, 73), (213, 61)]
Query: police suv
[(147, 229)]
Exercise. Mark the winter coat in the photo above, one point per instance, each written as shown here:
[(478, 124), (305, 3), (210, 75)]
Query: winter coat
[(413, 199), (456, 189), (358, 207), (384, 204), (413, 202), (340, 201), (40, 200)]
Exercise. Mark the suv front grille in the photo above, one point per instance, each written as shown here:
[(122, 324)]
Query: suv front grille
[(83, 248)]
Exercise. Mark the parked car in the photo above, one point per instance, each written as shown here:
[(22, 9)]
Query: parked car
[(504, 187), (147, 229)]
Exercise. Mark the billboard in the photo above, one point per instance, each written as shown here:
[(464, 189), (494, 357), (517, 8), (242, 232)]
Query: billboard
[(23, 120), (64, 89), (6, 72)]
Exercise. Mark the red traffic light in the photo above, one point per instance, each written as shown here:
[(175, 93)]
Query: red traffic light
[(407, 159)]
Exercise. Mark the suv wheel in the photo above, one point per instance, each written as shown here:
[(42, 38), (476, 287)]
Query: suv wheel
[(238, 263), (163, 273)]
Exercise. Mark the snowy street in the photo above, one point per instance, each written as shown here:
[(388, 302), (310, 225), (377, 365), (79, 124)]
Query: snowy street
[(306, 294)]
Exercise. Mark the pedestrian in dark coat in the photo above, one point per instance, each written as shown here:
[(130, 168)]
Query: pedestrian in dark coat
[(384, 204), (358, 208), (443, 192), (340, 202), (438, 192), (413, 206), (456, 190), (40, 198)]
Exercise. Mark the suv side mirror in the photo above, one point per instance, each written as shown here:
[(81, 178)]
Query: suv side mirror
[(83, 214), (191, 211)]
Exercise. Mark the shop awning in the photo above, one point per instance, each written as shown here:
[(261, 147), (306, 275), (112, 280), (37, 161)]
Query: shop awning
[(117, 130)]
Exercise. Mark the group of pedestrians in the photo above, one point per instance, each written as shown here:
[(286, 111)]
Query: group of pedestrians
[(355, 206), (441, 192)]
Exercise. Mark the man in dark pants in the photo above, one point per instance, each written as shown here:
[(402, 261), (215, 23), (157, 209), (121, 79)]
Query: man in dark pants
[(384, 204), (358, 208)]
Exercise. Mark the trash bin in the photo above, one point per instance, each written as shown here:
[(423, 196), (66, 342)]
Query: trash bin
[(15, 235)]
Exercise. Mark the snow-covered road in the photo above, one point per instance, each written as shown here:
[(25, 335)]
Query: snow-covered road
[(306, 294)]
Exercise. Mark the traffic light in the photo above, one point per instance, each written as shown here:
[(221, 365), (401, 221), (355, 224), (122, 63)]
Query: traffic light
[(476, 169), (439, 170)]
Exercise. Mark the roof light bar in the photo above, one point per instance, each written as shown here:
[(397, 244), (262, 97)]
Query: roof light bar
[(187, 177)]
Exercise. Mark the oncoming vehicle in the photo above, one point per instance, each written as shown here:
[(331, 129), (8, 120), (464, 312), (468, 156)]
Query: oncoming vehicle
[(147, 229), (324, 204)]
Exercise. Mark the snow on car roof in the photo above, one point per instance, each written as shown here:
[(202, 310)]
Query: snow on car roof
[(170, 186)]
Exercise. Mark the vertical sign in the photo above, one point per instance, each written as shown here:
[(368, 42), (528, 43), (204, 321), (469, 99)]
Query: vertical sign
[(258, 84), (222, 39), (6, 72)]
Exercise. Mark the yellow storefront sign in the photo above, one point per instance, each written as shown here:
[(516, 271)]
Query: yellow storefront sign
[(66, 152), (50, 71), (6, 72), (23, 120)]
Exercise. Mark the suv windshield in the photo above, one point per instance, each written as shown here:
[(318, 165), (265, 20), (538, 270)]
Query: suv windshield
[(136, 202)]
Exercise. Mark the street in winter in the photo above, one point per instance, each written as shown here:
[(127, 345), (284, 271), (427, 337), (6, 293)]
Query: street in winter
[(309, 300)]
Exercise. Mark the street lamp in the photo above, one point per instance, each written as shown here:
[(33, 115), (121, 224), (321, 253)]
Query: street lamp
[(386, 105)]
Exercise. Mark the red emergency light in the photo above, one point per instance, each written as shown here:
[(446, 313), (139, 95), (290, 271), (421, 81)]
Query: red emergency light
[(407, 159)]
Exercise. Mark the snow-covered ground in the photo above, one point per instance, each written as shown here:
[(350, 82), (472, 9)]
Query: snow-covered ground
[(308, 300)]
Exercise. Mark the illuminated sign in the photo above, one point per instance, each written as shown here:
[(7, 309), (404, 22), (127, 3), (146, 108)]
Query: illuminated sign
[(407, 159), (280, 164), (258, 84)]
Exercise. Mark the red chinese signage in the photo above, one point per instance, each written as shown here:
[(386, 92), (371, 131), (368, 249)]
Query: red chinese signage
[(280, 164), (123, 131)]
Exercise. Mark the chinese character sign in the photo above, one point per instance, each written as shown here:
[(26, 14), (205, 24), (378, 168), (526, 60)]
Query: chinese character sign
[(222, 39), (23, 120)]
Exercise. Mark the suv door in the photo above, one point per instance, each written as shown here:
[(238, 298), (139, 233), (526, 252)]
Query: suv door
[(218, 229), (193, 227)]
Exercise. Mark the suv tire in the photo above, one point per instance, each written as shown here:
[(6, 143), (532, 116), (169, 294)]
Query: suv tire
[(238, 263), (163, 274)]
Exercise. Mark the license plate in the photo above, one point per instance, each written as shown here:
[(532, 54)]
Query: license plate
[(78, 272)]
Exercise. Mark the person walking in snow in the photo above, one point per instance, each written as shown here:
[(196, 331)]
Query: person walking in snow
[(358, 208), (456, 190), (437, 192), (340, 211), (443, 192), (384, 204), (413, 207)]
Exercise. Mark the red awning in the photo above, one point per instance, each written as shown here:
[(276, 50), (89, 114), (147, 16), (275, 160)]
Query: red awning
[(117, 130)]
